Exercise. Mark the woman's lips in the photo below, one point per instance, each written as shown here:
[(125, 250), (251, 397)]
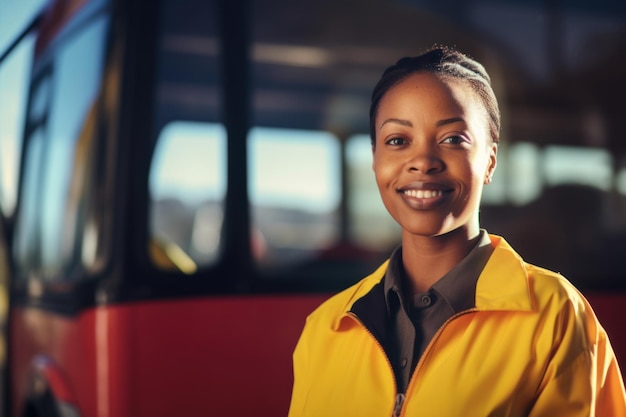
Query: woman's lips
[(423, 196)]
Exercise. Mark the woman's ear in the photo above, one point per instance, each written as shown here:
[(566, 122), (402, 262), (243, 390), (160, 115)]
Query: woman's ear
[(492, 162)]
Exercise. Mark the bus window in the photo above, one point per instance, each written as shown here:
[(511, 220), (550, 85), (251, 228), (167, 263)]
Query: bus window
[(371, 226), (56, 234), (294, 186), (14, 77), (187, 188), (577, 165), (523, 165), (187, 176), (26, 237)]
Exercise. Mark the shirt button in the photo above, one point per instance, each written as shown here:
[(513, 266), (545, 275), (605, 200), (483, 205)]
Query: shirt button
[(426, 300), (404, 362)]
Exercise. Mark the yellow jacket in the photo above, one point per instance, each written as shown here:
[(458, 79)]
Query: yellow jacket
[(531, 347)]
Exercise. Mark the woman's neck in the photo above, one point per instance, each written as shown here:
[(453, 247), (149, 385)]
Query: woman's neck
[(426, 259)]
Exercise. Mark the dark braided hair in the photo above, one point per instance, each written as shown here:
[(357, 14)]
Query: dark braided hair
[(446, 62)]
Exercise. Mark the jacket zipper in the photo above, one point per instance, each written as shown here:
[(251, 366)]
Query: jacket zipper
[(429, 347), (400, 396), (397, 408)]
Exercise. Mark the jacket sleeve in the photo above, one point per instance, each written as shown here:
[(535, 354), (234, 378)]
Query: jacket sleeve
[(610, 394), (581, 382)]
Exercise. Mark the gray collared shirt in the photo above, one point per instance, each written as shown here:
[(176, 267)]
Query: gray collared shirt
[(413, 323)]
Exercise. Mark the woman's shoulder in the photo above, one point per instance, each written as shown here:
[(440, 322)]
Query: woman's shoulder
[(550, 281), (555, 296), (540, 286)]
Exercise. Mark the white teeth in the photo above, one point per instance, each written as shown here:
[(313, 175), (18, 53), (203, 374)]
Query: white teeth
[(424, 193)]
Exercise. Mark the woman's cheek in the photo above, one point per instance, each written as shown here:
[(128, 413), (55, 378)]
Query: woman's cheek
[(384, 174)]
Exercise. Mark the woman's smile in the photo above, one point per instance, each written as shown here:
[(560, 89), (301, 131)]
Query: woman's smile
[(426, 195)]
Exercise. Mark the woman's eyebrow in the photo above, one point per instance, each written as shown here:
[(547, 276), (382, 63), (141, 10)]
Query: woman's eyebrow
[(449, 121), (408, 123), (402, 122)]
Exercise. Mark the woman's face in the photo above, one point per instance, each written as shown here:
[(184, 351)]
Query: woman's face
[(433, 154)]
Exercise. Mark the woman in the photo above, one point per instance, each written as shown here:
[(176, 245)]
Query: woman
[(455, 323)]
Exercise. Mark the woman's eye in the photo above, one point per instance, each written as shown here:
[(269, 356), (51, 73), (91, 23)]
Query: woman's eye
[(396, 141), (455, 140)]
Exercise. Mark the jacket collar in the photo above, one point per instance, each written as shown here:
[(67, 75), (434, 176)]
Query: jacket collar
[(503, 285)]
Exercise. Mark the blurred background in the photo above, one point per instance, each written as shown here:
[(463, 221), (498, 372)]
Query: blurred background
[(248, 169), (557, 68)]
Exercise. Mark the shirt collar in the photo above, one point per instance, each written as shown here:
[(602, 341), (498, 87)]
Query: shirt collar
[(457, 287), (503, 285)]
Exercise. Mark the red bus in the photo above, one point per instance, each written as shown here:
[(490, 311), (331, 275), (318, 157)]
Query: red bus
[(183, 181)]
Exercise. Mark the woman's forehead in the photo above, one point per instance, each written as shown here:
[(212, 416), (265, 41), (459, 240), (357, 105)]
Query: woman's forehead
[(430, 91), (426, 99)]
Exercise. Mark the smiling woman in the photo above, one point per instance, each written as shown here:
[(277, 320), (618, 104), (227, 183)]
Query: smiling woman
[(183, 181), (399, 341)]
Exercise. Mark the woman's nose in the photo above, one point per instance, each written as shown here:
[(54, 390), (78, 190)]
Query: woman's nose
[(425, 161)]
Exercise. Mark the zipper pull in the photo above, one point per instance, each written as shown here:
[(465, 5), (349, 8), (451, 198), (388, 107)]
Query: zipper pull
[(397, 408)]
